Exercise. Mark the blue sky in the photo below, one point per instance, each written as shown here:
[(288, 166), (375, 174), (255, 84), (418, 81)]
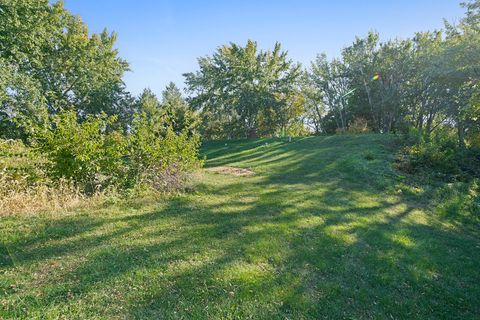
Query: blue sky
[(162, 39)]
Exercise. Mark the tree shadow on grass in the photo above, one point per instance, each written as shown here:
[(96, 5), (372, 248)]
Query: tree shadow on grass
[(306, 240), (393, 268)]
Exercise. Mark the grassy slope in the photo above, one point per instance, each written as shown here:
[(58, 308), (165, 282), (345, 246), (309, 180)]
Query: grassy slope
[(321, 231)]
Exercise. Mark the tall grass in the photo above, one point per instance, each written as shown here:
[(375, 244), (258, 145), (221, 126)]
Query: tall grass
[(26, 187)]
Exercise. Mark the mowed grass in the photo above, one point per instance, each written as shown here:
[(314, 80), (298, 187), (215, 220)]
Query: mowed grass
[(322, 230)]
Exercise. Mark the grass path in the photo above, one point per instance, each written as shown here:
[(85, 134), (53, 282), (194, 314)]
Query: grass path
[(320, 231)]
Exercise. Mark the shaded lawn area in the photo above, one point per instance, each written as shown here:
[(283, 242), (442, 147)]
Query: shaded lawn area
[(320, 231)]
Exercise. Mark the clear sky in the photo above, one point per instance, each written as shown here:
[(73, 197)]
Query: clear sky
[(162, 39)]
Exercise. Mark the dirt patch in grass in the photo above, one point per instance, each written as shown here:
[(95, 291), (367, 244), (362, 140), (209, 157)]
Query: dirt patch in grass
[(241, 172)]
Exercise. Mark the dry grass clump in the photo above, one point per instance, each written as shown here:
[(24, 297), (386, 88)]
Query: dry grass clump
[(16, 198), (24, 187)]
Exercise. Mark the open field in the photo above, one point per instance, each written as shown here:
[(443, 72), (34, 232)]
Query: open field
[(324, 228)]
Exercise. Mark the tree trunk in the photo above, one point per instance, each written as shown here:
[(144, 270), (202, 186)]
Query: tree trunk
[(461, 134), (252, 133), (370, 102), (420, 115)]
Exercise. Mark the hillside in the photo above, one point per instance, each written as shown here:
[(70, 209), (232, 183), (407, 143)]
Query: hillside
[(324, 227)]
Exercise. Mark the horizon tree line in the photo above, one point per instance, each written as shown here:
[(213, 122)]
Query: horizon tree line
[(49, 62)]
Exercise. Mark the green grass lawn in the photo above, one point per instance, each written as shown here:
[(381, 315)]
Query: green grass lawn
[(322, 230)]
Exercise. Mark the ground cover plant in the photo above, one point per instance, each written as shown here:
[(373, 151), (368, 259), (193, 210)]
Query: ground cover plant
[(325, 228)]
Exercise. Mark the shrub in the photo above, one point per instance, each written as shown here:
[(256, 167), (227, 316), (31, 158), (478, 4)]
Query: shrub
[(156, 151), (359, 125), (20, 164), (25, 185), (68, 159), (83, 152), (439, 156), (95, 157)]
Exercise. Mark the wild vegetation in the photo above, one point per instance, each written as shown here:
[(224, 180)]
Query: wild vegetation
[(349, 188), (63, 99), (62, 94), (427, 82)]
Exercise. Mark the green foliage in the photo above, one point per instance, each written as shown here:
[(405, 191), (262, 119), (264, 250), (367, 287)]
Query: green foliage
[(87, 152), (243, 91), (173, 111), (61, 89), (95, 157), (425, 82), (20, 101), (50, 61), (147, 103), (20, 165), (324, 228), (161, 149), (180, 115), (440, 156), (328, 82), (297, 129)]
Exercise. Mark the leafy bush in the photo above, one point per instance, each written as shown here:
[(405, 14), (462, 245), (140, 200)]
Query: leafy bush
[(439, 155), (86, 153), (20, 164), (154, 154), (95, 157), (25, 185)]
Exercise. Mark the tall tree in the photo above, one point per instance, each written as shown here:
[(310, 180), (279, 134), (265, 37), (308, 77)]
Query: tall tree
[(423, 95), (459, 68), (148, 105), (362, 62), (329, 80), (315, 109), (181, 116), (244, 84), (53, 48)]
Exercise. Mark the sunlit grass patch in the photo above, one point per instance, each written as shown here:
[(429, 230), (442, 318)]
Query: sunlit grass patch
[(319, 231)]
